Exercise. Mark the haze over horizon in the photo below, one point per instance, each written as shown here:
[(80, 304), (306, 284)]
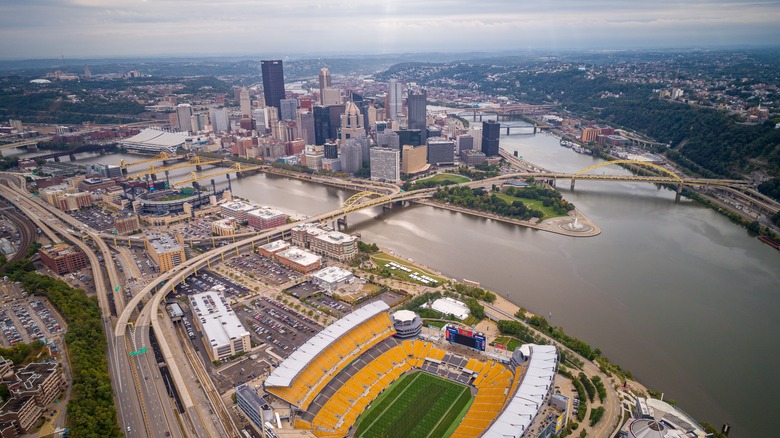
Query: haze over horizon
[(123, 28)]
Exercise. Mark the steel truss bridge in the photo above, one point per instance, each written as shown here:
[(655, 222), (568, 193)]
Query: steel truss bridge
[(667, 177)]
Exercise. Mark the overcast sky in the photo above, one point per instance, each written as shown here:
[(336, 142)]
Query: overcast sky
[(119, 28)]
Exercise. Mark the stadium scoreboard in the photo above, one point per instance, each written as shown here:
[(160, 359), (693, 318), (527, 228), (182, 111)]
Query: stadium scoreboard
[(469, 338)]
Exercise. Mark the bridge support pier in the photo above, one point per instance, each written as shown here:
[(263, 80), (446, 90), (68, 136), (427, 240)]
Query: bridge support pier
[(341, 222), (387, 206), (56, 159), (32, 147), (198, 168), (679, 193), (572, 184), (72, 157)]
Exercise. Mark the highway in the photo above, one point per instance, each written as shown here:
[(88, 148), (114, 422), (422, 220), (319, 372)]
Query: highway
[(146, 416)]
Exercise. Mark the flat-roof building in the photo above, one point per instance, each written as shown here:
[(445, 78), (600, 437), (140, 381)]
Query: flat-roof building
[(223, 333), (331, 278), (441, 151), (62, 258), (325, 241), (22, 412), (270, 249), (225, 227), (385, 164), (44, 381), (299, 260), (265, 218), (237, 210), (414, 159), (164, 250)]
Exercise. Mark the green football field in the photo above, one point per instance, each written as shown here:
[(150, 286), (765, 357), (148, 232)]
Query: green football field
[(418, 405)]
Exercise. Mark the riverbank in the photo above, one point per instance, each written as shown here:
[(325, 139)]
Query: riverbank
[(574, 225)]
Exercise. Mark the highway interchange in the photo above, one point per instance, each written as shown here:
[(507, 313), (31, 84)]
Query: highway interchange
[(144, 405)]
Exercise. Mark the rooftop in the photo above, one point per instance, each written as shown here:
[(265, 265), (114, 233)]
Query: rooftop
[(276, 245), (220, 324), (163, 242), (238, 206), (265, 213), (286, 372), (332, 274), (58, 250), (299, 256)]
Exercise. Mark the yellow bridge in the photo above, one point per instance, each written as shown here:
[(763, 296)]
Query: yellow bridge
[(196, 162), (236, 168), (667, 177)]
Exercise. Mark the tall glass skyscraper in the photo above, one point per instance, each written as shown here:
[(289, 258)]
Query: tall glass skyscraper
[(491, 131), (273, 83)]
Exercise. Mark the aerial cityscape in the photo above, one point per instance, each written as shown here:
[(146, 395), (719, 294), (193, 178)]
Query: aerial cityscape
[(396, 220)]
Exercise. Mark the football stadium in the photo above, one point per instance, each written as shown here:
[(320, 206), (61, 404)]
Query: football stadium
[(357, 378)]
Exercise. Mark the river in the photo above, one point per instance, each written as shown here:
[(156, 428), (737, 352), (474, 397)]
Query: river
[(674, 292)]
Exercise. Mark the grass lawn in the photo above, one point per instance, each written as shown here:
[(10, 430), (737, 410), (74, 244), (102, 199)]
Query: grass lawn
[(510, 342), (534, 204), (441, 177), (381, 259), (420, 405)]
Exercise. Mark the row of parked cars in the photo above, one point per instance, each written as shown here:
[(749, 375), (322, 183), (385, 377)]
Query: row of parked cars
[(33, 331), (9, 329), (51, 323)]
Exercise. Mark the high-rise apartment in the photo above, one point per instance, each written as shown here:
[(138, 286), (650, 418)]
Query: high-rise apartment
[(273, 83), (394, 99), (246, 103), (288, 108), (385, 164), (325, 82)]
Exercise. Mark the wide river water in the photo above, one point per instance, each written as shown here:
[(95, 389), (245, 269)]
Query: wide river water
[(674, 292)]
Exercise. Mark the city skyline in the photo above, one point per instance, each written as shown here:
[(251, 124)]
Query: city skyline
[(92, 28)]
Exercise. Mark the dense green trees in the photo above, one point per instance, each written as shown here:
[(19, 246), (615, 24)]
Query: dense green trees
[(91, 410), (771, 188), (479, 199)]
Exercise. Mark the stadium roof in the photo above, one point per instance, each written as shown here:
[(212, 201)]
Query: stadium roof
[(155, 140), (529, 398), (404, 315), (286, 372)]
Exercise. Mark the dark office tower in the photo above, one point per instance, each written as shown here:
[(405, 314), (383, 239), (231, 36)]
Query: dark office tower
[(331, 150), (321, 124), (491, 131), (273, 84), (335, 112), (417, 107)]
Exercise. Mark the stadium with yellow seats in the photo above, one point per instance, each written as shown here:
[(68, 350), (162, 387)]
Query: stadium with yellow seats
[(333, 378)]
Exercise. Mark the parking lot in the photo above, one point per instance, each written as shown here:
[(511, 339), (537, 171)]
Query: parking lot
[(303, 290), (264, 269), (27, 320), (197, 229), (95, 218), (207, 280), (272, 322), (323, 303)]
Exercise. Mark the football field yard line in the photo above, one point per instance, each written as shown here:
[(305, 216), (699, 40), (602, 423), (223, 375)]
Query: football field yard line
[(391, 404), (444, 415)]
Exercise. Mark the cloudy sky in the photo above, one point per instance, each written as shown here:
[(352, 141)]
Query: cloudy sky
[(102, 28)]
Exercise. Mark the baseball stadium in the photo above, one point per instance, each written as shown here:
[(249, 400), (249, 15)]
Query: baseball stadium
[(358, 378)]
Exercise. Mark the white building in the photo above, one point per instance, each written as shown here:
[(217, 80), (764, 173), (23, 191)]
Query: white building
[(153, 140), (332, 278), (183, 114), (449, 306), (223, 333), (395, 92), (385, 164)]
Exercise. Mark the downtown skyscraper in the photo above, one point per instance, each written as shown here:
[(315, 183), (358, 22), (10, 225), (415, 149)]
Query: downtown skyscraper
[(273, 83)]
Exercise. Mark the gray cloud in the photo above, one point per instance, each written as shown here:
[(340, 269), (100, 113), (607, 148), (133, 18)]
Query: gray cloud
[(85, 28)]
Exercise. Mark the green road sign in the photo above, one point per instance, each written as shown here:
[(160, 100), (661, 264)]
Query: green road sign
[(136, 353), (116, 288)]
